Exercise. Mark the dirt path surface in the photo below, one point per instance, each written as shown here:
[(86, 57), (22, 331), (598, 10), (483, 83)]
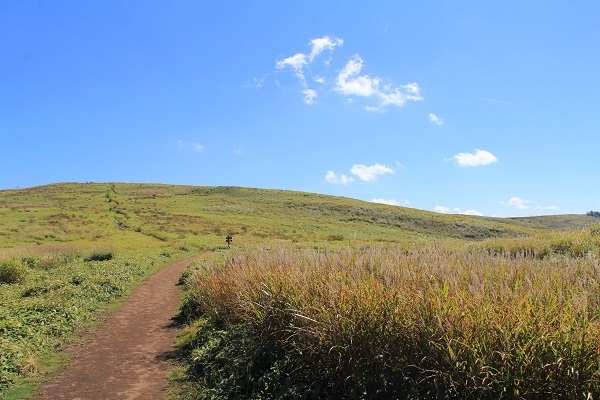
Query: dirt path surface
[(127, 357)]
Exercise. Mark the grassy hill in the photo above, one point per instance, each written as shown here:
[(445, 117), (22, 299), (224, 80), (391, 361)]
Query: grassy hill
[(150, 215), (436, 314), (554, 222)]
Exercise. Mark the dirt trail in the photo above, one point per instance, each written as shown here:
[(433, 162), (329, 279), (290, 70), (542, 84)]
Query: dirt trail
[(127, 357)]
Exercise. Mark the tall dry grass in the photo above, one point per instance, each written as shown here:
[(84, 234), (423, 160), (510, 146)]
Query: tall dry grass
[(389, 323)]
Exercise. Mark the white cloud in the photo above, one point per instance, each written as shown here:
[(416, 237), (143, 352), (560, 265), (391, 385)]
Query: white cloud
[(197, 146), (456, 210), (435, 119), (391, 202), (192, 145), (400, 95), (309, 96), (518, 202), (332, 177), (471, 212), (551, 208), (522, 204), (370, 173), (300, 61), (297, 63), (321, 44), (257, 83), (480, 158), (350, 83)]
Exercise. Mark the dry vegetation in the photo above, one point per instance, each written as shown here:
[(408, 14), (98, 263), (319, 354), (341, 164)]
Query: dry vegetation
[(384, 322)]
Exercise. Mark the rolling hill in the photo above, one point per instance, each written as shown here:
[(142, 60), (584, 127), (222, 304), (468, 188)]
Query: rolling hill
[(148, 215)]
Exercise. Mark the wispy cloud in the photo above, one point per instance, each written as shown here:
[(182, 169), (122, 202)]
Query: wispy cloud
[(370, 173), (480, 158), (340, 179), (364, 172), (503, 102), (391, 202), (519, 203), (309, 95), (299, 62), (197, 147), (349, 82), (456, 210), (324, 43), (468, 212), (522, 204), (435, 119)]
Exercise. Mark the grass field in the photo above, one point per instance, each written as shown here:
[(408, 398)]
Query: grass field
[(141, 216), (320, 296)]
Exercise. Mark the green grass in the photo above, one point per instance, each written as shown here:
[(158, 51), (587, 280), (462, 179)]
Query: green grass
[(69, 250), (144, 216), (61, 293), (555, 222)]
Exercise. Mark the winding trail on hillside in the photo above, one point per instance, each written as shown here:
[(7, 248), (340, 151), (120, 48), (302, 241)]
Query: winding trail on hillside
[(128, 356)]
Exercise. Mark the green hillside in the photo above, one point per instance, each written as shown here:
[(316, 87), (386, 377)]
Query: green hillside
[(69, 251), (147, 215), (554, 222)]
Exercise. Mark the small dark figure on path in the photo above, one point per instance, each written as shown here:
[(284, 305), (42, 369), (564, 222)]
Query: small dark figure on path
[(229, 239)]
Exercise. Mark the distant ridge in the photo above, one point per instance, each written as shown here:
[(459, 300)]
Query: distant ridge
[(139, 215)]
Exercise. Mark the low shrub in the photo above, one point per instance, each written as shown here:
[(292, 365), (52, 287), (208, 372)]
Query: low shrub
[(12, 271), (99, 255), (335, 237)]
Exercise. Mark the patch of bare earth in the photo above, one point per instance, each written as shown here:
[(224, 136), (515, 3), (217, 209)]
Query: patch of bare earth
[(127, 357)]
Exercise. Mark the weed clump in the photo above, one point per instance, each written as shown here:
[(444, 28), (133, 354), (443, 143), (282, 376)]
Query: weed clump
[(335, 237), (12, 271), (99, 255)]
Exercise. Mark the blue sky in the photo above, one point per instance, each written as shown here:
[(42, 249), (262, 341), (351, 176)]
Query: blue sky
[(489, 108)]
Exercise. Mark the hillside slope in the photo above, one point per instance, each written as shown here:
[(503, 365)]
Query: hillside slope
[(554, 222), (142, 215)]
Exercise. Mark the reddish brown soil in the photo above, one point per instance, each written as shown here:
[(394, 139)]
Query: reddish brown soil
[(128, 356)]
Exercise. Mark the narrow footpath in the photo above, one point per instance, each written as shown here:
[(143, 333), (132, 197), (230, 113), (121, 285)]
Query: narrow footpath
[(127, 357)]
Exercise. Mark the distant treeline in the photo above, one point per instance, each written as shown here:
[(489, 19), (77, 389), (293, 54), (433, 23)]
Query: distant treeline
[(595, 214)]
